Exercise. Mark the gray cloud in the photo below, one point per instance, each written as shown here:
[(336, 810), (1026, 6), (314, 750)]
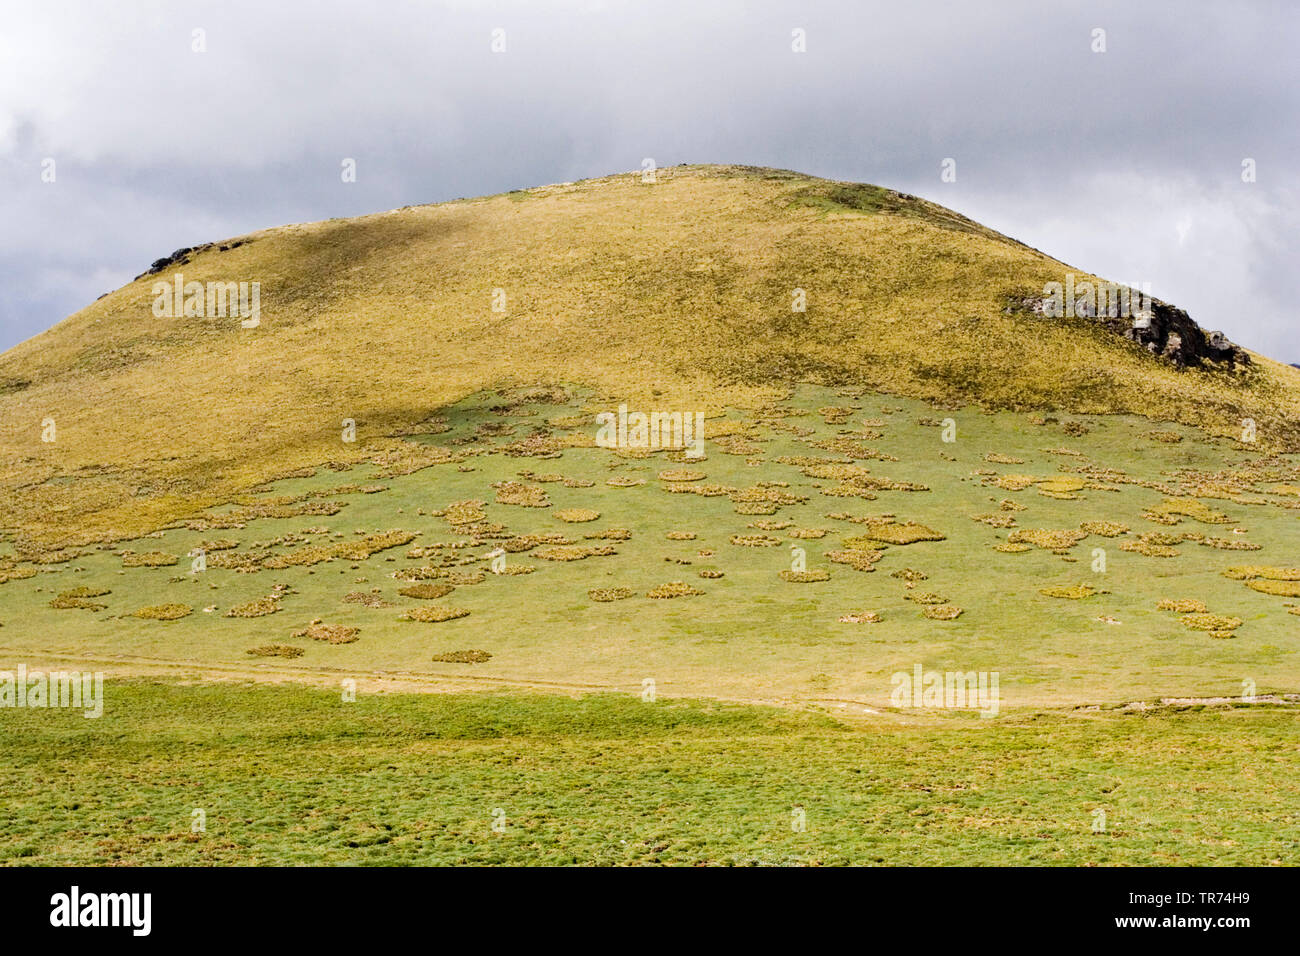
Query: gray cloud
[(1126, 163)]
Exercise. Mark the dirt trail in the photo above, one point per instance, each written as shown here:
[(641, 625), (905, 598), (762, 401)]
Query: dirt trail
[(398, 681)]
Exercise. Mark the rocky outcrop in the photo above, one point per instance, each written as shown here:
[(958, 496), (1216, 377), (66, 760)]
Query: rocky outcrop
[(1162, 329), (1170, 332), (184, 254)]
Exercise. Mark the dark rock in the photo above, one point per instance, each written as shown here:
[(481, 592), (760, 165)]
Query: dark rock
[(181, 256), (1164, 330)]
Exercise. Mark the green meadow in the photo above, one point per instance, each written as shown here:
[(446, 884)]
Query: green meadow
[(294, 775)]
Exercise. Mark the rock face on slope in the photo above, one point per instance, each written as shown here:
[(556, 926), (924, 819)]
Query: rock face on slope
[(1170, 332), (1162, 329)]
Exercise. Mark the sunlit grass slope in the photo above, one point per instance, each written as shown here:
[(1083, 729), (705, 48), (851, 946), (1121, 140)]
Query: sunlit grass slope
[(679, 291)]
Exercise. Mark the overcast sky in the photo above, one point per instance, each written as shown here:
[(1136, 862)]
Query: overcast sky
[(1126, 163)]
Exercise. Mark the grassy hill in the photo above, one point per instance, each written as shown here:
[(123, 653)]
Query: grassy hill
[(677, 292), (484, 610)]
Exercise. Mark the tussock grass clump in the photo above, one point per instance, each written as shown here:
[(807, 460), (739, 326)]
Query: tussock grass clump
[(365, 600), (1149, 549), (329, 633), (1105, 529), (681, 474), (624, 481), (80, 598), (1056, 541), (577, 515), (767, 491), (1210, 622), (426, 590), (1000, 459), (685, 457), (889, 531), (680, 535), (734, 445), (1012, 547), (859, 559), (808, 533), (50, 555), (995, 520), (15, 574), (609, 534), (463, 578), (218, 544), (1173, 510), (526, 542), (1182, 605), (711, 573), (1247, 572), (1168, 438), (835, 414), (860, 617), (673, 589), (358, 550), (469, 511), (610, 594), (260, 607), (462, 657), (1161, 539), (164, 612), (1278, 588), (435, 614), (910, 575), (763, 524), (521, 495), (837, 471), (406, 458), (704, 489), (243, 562), (755, 540), (373, 544), (1072, 592), (805, 577), (573, 552), (942, 612), (149, 559), (302, 557), (1014, 482), (457, 578), (1230, 544), (275, 650), (925, 597)]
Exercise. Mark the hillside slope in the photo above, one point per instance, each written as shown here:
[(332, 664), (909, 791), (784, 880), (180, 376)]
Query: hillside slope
[(677, 293)]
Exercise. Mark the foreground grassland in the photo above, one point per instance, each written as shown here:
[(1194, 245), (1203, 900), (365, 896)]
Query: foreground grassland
[(1004, 526), (677, 293), (296, 776)]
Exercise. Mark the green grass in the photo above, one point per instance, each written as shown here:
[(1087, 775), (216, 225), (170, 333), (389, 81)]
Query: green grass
[(750, 635), (288, 775)]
